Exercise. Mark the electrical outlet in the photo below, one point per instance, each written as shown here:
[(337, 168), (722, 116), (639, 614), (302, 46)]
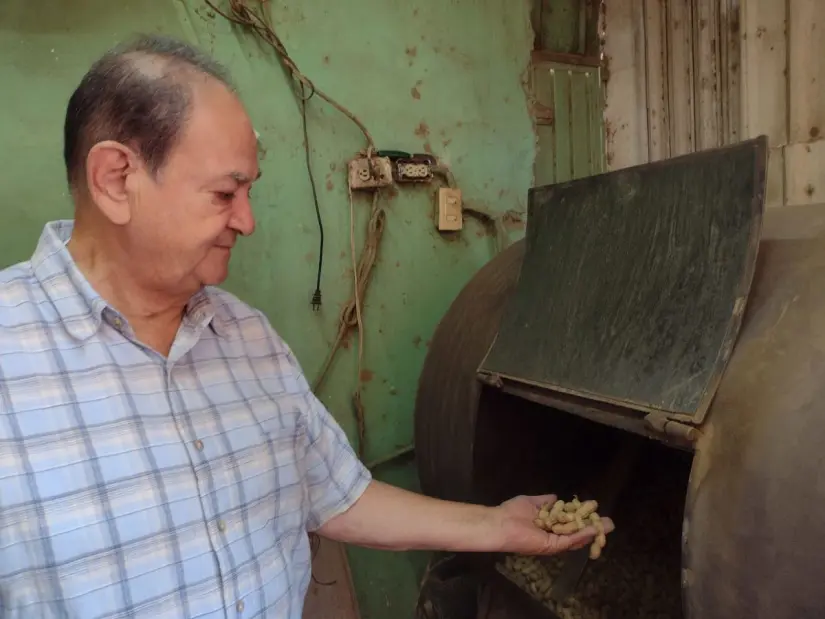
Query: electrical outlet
[(449, 217), (413, 170), (370, 173)]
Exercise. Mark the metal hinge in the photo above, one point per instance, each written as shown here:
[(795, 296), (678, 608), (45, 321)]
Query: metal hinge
[(675, 429)]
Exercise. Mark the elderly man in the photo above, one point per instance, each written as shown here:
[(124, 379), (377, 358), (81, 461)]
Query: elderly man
[(161, 454)]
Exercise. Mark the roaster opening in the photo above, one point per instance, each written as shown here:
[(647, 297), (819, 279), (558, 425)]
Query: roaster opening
[(526, 448)]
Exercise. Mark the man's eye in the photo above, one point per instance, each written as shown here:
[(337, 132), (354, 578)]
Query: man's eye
[(224, 196)]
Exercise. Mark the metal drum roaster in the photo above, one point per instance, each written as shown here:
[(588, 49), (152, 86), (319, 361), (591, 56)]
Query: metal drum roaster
[(656, 342)]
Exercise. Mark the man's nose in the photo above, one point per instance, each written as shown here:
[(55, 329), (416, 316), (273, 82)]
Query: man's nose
[(243, 221)]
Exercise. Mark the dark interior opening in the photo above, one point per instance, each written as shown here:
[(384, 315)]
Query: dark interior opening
[(525, 448)]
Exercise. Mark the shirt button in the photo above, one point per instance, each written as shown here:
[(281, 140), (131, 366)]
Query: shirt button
[(221, 526), (199, 445), (117, 322), (240, 606)]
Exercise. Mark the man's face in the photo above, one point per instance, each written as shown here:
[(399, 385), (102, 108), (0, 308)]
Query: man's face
[(186, 218)]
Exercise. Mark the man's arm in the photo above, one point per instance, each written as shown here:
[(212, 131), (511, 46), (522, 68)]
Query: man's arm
[(390, 518), (347, 505)]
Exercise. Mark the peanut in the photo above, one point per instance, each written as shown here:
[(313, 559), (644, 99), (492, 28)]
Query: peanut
[(568, 518), (587, 508), (565, 529), (573, 506)]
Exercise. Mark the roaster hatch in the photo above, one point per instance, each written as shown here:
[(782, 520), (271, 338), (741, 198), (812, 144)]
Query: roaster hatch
[(634, 282)]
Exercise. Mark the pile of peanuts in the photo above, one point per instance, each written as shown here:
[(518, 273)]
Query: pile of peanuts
[(567, 518), (536, 576), (642, 578)]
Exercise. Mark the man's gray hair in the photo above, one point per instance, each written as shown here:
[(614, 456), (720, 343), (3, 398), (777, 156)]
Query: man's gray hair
[(138, 94)]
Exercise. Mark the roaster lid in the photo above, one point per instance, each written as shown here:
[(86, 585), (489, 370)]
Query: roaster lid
[(634, 282)]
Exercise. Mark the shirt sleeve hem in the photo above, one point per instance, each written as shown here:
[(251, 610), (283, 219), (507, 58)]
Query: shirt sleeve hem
[(339, 508)]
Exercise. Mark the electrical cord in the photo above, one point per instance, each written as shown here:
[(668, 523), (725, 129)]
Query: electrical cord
[(356, 295), (259, 23), (351, 316), (242, 15), (316, 296), (314, 547), (493, 222)]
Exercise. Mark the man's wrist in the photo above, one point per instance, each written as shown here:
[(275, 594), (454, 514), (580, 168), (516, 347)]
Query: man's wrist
[(494, 534)]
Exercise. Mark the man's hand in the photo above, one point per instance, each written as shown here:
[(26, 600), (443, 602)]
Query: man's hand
[(389, 518), (522, 536)]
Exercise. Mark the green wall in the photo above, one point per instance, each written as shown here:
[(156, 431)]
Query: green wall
[(440, 75)]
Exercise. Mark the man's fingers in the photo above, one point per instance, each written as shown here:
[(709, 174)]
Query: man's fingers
[(540, 500), (585, 536), (579, 539), (580, 545)]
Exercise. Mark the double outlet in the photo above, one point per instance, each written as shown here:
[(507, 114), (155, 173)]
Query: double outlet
[(376, 172)]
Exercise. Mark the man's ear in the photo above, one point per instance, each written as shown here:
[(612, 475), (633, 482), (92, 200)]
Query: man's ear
[(109, 165)]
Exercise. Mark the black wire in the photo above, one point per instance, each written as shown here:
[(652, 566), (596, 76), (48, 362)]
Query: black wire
[(316, 296), (314, 547)]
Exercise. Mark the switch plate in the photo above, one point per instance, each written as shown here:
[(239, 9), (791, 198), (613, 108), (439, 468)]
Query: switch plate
[(449, 217), (362, 177)]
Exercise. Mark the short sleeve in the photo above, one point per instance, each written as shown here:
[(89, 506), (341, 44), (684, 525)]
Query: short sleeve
[(335, 477)]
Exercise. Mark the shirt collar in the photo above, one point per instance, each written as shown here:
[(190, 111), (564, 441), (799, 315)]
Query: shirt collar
[(80, 307)]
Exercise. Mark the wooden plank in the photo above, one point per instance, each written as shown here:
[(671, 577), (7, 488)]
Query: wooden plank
[(731, 64), (593, 15), (806, 71), (681, 100), (541, 89), (707, 69), (560, 25), (563, 104), (561, 58), (595, 103), (764, 54), (805, 173), (579, 125), (775, 184), (626, 140), (544, 168), (765, 85), (535, 21), (656, 63)]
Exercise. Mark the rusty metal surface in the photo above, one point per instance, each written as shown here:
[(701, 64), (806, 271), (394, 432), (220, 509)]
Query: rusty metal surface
[(755, 517), (634, 282), (754, 528)]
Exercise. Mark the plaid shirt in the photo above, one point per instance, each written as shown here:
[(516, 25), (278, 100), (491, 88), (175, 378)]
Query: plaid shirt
[(133, 485)]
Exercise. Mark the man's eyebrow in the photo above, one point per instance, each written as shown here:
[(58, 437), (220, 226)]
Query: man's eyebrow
[(243, 178)]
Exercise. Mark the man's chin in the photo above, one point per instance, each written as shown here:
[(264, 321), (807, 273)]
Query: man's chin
[(215, 275)]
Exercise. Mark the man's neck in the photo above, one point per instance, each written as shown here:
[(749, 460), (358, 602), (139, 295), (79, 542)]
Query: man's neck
[(154, 317)]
